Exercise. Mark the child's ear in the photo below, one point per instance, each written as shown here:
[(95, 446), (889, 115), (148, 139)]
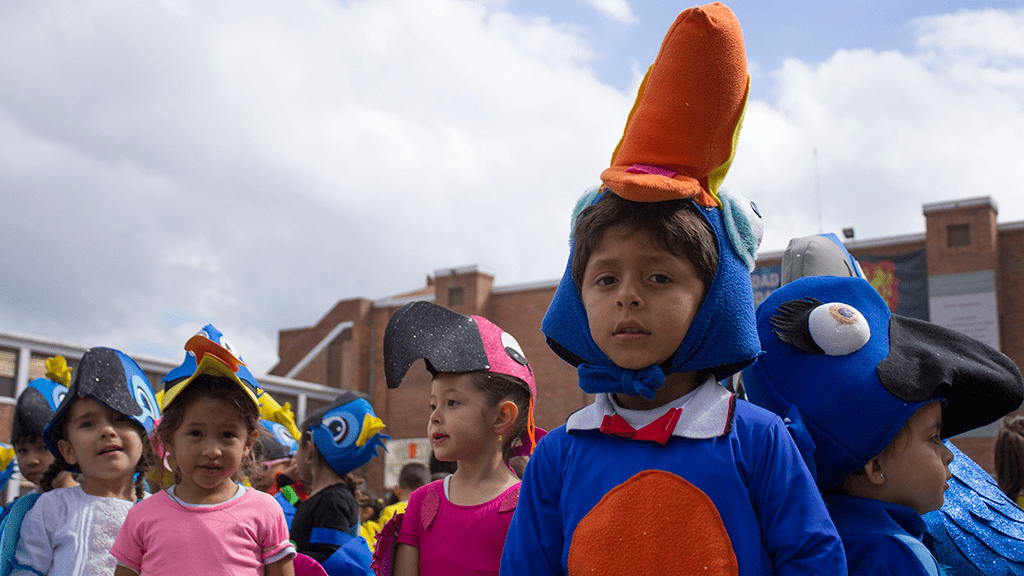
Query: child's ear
[(66, 451), (873, 471), (250, 441), (507, 413)]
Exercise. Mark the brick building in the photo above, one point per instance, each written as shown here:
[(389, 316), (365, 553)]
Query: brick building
[(965, 271), (23, 359)]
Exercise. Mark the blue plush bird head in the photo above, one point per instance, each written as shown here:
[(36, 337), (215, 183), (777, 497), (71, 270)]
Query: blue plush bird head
[(846, 374), (347, 432)]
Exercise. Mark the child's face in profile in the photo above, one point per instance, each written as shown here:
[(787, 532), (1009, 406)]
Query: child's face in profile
[(916, 474), (303, 458), (461, 423), (33, 459), (640, 298)]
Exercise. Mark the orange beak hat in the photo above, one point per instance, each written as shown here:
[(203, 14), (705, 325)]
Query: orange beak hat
[(682, 132)]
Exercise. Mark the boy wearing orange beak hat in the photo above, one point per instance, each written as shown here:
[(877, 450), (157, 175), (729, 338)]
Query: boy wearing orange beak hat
[(668, 472)]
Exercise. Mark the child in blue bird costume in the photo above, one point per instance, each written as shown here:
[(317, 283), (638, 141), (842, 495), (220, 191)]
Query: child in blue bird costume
[(869, 397), (34, 410), (336, 440), (667, 472), (979, 531)]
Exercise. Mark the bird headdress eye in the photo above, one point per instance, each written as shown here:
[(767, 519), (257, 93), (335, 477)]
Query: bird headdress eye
[(833, 329)]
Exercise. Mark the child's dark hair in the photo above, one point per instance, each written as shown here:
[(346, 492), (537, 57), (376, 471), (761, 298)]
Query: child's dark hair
[(498, 388), (147, 458), (413, 475), (23, 435), (219, 388), (1010, 455), (314, 454), (673, 225), (371, 500)]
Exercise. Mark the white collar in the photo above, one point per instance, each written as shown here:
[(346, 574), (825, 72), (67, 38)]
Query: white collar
[(707, 414)]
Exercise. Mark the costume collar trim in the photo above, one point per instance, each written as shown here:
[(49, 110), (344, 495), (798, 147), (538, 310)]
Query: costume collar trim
[(709, 414)]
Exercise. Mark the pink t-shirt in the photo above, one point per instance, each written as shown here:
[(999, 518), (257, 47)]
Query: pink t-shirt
[(456, 539), (161, 536)]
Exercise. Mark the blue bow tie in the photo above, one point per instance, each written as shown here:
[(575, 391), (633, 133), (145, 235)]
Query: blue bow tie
[(612, 379)]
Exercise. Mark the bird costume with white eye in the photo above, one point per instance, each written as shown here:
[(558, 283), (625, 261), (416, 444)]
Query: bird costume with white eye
[(978, 531), (347, 432), (847, 374), (113, 379)]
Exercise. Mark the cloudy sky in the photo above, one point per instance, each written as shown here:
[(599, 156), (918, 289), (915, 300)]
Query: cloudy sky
[(168, 163)]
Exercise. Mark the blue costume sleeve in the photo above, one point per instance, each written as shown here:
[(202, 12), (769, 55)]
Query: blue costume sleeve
[(799, 534), (534, 542)]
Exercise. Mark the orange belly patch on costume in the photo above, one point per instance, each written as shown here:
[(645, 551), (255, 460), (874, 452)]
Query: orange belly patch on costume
[(653, 523)]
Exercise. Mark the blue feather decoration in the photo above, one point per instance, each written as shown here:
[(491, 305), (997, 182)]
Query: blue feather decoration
[(979, 530)]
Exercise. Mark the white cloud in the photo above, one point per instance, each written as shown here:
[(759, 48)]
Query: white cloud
[(618, 10), (169, 164), (892, 130)]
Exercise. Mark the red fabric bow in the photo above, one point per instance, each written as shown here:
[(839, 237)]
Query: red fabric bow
[(658, 431)]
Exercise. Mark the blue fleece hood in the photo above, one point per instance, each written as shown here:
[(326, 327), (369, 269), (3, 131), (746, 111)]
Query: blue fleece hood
[(722, 338)]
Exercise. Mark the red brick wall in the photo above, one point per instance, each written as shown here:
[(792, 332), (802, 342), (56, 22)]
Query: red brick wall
[(980, 254), (519, 313), (1009, 280)]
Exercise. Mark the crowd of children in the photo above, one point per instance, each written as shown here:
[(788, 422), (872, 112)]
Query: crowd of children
[(837, 463)]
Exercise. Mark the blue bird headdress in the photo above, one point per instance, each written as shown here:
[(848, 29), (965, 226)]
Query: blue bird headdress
[(208, 352), (852, 373), (38, 402), (347, 432), (275, 440), (678, 144), (113, 379)]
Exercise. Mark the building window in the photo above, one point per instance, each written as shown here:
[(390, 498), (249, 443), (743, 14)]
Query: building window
[(455, 296), (958, 235), (8, 369)]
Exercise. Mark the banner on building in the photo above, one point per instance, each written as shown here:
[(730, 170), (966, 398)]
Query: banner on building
[(966, 303), (901, 280)]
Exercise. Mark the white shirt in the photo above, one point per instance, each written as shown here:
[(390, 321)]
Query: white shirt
[(69, 533)]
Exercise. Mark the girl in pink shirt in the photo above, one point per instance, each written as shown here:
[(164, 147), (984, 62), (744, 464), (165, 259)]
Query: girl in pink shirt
[(207, 522), (481, 399)]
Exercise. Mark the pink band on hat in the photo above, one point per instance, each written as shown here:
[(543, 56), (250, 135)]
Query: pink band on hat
[(646, 169)]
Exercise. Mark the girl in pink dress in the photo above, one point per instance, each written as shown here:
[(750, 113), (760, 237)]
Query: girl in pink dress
[(481, 400), (207, 522)]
